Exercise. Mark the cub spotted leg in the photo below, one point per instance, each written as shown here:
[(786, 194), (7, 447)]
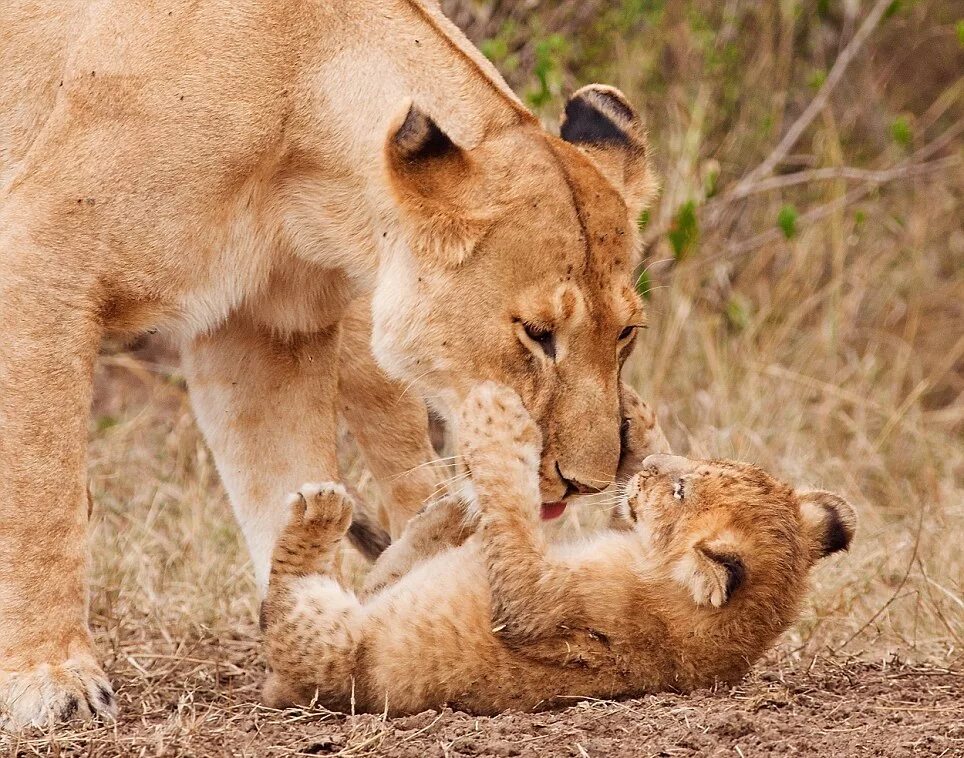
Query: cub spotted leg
[(266, 404), (641, 436), (500, 445), (50, 336), (311, 624)]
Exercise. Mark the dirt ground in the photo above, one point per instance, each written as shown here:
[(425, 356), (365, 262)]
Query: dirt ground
[(202, 701)]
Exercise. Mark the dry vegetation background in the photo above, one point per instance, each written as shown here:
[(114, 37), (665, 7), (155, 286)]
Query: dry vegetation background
[(804, 275)]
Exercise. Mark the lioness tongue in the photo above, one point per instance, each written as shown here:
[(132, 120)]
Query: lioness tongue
[(553, 510)]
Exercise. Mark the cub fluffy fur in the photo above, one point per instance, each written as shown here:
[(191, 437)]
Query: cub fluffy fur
[(704, 566)]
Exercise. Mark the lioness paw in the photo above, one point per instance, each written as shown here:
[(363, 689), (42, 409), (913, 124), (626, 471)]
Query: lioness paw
[(494, 427), (48, 694)]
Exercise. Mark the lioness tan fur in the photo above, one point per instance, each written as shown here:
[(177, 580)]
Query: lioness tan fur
[(235, 173), (704, 567)]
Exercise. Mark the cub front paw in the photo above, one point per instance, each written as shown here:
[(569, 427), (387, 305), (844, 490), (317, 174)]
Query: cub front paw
[(641, 434), (495, 428), (320, 516), (49, 694)]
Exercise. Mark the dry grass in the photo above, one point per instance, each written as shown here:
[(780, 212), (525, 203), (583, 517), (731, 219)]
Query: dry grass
[(834, 357)]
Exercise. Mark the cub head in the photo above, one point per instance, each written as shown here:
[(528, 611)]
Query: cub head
[(733, 536), (512, 262)]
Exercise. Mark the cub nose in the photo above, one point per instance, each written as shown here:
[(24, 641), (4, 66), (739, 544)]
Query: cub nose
[(669, 464)]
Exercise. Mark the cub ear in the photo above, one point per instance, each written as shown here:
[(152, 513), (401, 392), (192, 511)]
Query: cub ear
[(600, 121), (711, 571), (429, 175), (829, 522)]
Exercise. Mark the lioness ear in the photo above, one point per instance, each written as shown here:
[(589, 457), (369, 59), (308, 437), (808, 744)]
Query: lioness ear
[(711, 571), (829, 522), (600, 121), (429, 174)]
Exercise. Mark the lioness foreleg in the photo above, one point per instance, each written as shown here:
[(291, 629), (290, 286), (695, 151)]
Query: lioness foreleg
[(266, 404), (390, 424), (50, 337)]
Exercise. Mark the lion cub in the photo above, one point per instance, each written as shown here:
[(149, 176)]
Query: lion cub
[(704, 567)]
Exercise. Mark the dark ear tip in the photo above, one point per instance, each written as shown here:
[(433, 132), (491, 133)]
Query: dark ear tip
[(830, 520), (839, 534), (609, 99), (597, 114)]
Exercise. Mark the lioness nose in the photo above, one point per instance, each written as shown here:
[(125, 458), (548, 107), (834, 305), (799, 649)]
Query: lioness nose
[(579, 488), (669, 464), (575, 487)]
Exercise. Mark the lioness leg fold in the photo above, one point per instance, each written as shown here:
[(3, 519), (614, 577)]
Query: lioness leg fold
[(50, 338), (311, 624), (390, 424), (266, 404)]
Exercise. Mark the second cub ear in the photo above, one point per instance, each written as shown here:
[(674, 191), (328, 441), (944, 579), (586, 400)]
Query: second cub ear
[(430, 177), (600, 121), (711, 571), (829, 522)]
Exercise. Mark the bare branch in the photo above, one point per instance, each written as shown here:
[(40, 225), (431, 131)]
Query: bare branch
[(900, 171), (858, 193), (799, 126)]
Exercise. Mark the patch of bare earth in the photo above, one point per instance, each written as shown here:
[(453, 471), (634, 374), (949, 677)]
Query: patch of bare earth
[(202, 701)]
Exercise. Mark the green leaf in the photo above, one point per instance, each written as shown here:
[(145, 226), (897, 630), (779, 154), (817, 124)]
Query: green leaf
[(738, 312), (495, 49), (684, 232), (548, 64), (817, 78), (105, 422), (643, 220), (893, 8), (960, 33), (787, 221), (901, 132)]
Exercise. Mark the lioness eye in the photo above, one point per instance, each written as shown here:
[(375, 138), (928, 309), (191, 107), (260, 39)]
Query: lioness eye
[(678, 490), (626, 333), (543, 337)]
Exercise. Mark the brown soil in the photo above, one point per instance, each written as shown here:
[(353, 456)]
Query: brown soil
[(202, 702)]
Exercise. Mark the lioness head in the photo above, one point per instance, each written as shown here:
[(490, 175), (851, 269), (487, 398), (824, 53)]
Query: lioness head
[(513, 263), (732, 535)]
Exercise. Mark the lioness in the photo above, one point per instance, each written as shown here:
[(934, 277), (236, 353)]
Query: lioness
[(706, 565), (234, 174)]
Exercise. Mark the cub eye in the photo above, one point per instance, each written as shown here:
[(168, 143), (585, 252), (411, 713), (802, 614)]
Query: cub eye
[(544, 338), (678, 490), (628, 332)]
